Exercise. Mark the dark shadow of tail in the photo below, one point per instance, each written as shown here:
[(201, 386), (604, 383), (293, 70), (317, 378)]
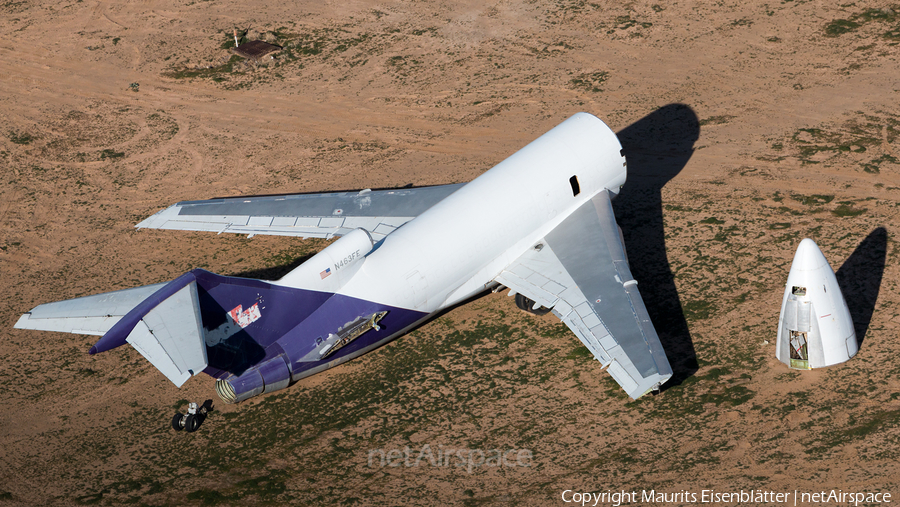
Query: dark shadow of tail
[(657, 147), (860, 279)]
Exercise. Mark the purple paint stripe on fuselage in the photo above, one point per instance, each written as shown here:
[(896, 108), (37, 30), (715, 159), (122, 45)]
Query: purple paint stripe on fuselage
[(337, 312), (290, 320), (280, 308)]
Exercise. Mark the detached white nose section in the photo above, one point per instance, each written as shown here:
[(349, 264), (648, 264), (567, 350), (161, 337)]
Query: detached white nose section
[(815, 329)]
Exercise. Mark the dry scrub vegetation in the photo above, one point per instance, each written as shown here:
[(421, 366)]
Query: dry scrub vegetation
[(749, 126)]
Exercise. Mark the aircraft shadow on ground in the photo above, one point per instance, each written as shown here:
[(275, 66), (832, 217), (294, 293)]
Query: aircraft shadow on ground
[(860, 279), (657, 147)]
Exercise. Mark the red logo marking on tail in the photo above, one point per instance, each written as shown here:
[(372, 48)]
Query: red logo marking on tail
[(246, 317)]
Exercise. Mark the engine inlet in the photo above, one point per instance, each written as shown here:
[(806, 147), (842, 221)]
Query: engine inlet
[(266, 377), (225, 391)]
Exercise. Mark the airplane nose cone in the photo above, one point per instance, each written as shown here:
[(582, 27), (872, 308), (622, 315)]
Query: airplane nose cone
[(809, 257), (815, 328)]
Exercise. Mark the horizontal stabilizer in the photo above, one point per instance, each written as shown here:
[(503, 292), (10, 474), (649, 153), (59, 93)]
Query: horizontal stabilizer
[(170, 336), (161, 321), (90, 315)]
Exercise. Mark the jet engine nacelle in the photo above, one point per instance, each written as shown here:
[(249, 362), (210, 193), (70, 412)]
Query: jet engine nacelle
[(330, 269), (266, 377)]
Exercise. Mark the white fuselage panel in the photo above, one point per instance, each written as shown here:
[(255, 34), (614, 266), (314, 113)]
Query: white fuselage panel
[(454, 249)]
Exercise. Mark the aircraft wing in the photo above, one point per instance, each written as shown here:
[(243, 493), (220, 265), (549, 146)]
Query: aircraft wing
[(326, 215), (582, 274), (91, 315)]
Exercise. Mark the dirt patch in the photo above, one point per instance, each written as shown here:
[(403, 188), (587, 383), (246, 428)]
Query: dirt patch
[(747, 128)]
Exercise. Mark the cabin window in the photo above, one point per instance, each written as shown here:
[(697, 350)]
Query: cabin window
[(798, 291), (575, 188), (319, 341)]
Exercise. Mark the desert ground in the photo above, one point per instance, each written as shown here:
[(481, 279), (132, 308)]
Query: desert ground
[(748, 126)]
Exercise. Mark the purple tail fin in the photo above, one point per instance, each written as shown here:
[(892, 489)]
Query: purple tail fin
[(241, 317)]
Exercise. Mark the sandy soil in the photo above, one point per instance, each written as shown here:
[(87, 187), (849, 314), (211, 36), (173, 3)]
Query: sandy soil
[(749, 126)]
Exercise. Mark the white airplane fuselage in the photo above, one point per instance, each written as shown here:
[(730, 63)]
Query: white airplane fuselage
[(356, 294), (456, 248), (453, 250)]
